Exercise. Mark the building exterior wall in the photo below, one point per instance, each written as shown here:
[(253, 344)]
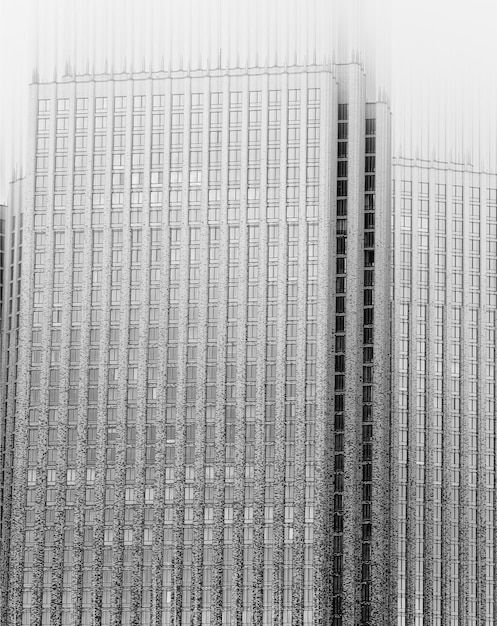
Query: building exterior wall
[(202, 414), (443, 434), (9, 329)]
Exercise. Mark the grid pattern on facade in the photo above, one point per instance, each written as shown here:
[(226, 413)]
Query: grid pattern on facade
[(444, 303), (173, 429)]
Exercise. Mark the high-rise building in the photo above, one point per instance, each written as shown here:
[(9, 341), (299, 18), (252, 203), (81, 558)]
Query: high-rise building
[(443, 429), (202, 408)]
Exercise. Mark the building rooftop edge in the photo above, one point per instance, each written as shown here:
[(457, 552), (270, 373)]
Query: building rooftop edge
[(329, 67), (433, 163), (186, 73), (88, 76)]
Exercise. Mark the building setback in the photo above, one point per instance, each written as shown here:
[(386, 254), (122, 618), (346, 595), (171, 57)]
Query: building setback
[(202, 405), (443, 435)]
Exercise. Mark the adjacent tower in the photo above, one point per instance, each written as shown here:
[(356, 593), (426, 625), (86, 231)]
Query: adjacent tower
[(443, 432), (202, 403)]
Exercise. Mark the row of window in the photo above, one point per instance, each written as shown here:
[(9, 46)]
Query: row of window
[(157, 158), (215, 139), (273, 214), (177, 100), (458, 191), (177, 121), (195, 179), (176, 175), (442, 225)]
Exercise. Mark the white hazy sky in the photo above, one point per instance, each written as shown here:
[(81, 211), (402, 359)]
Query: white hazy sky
[(443, 56)]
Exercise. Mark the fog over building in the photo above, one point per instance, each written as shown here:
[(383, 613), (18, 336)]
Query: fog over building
[(247, 357)]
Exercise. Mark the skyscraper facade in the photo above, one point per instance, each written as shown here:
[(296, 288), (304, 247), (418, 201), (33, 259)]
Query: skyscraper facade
[(201, 407), (443, 392)]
